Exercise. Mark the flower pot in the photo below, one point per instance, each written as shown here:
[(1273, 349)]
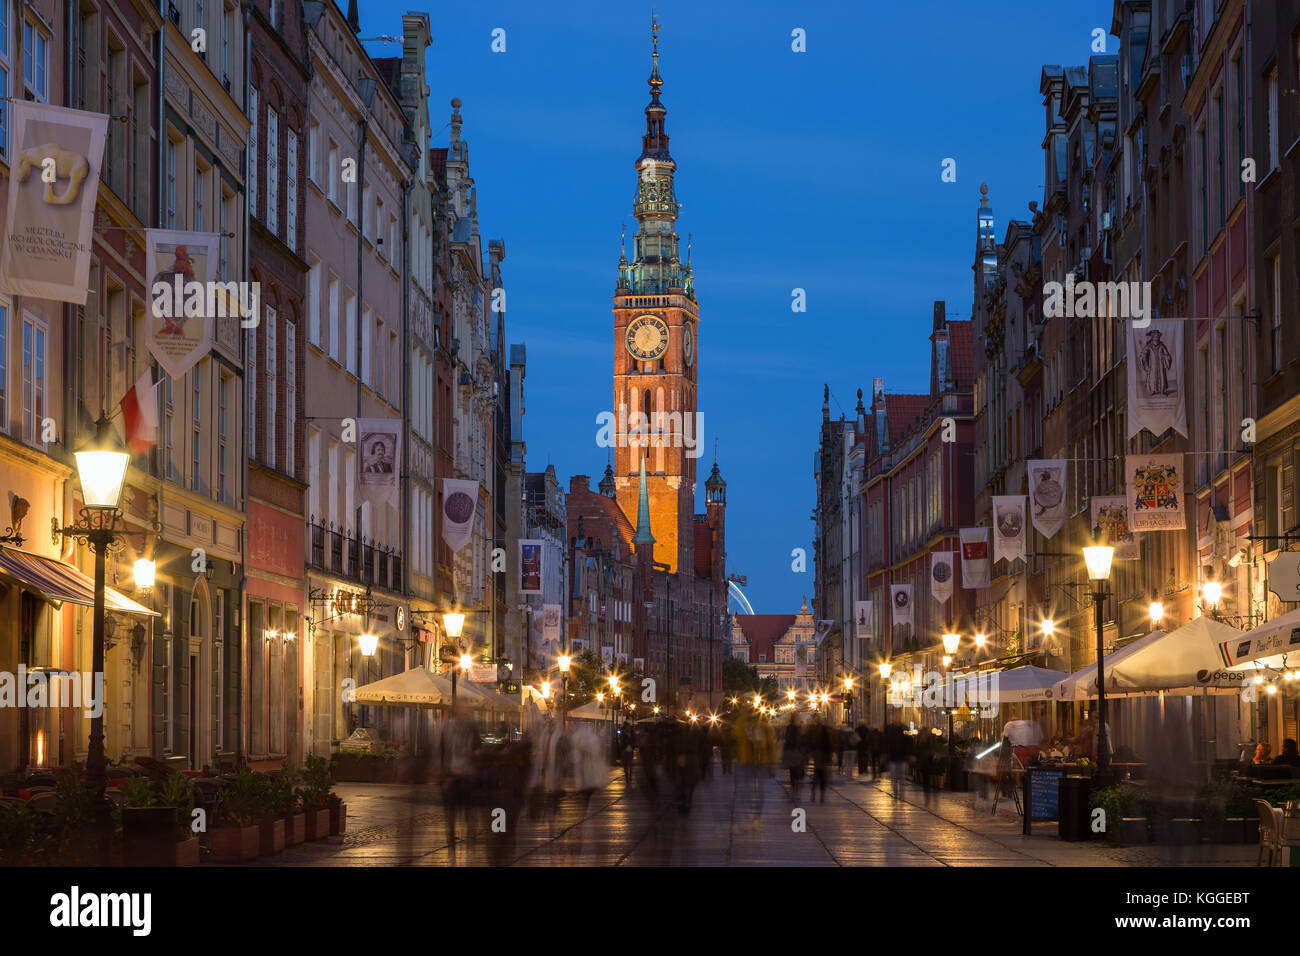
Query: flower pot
[(235, 844), (318, 824), (338, 818), (270, 837), (295, 829), (187, 852)]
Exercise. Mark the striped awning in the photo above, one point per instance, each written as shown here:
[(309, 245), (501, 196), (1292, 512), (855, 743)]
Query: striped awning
[(57, 581)]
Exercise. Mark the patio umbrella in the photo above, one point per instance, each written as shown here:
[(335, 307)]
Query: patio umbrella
[(416, 687)]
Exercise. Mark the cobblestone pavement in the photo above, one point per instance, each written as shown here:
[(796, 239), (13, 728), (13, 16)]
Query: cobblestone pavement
[(735, 820)]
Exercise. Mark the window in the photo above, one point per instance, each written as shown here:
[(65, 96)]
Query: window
[(223, 267), (222, 425), (141, 146), (350, 336), (202, 178), (367, 319), (313, 151), (251, 385), (333, 173), (335, 318), (168, 418), (290, 396), (380, 224), (313, 301), (291, 189), (272, 171), (1223, 170), (269, 375), (1239, 73), (352, 201), (34, 339), (313, 474), (36, 61), (252, 151), (196, 439), (4, 76), (1270, 86), (1275, 266), (1205, 186), (218, 648), (365, 210), (170, 214), (115, 164), (4, 361)]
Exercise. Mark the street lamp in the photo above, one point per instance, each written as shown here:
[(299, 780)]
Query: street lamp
[(950, 644), (1098, 559), (981, 639), (101, 470), (1157, 611), (145, 574), (947, 661), (368, 643), (1212, 592)]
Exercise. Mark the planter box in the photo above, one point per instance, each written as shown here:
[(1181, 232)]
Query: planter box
[(270, 838), (318, 824), (234, 844), (187, 852), (295, 829), (338, 819)]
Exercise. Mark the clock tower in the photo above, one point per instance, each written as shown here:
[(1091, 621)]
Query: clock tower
[(655, 346)]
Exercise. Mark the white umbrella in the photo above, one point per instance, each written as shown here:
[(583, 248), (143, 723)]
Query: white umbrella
[(1274, 644), (416, 687)]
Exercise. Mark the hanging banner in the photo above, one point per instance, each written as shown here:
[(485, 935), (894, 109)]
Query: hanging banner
[(1008, 527), (54, 171), (975, 557), (861, 618), (380, 442), (1156, 384), (1155, 492), (1110, 520), (821, 629), (551, 622), (530, 566), (941, 574), (184, 299), (459, 505), (1047, 495), (900, 599)]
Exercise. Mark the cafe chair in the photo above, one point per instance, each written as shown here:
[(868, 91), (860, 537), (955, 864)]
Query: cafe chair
[(1269, 838)]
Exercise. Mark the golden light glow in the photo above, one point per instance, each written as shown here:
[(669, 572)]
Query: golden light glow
[(466, 662), (613, 683), (981, 640), (656, 708), (145, 573), (101, 473), (563, 662), (886, 669), (453, 623), (947, 660), (1098, 559), (1048, 626), (546, 689), (1157, 611), (789, 695), (1271, 688), (1212, 592), (848, 683), (368, 643), (600, 697), (950, 644)]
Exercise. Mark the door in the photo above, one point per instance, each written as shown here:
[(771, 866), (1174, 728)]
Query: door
[(194, 724)]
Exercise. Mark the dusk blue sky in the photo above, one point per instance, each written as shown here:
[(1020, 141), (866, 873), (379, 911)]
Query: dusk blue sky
[(817, 170)]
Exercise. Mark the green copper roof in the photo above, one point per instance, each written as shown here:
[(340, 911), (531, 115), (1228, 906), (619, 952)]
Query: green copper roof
[(643, 535)]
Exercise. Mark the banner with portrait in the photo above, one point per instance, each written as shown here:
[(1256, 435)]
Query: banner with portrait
[(530, 566), (900, 602), (941, 574), (55, 159), (1008, 527), (1157, 387), (379, 441), (862, 618), (975, 557), (1110, 523), (1047, 495), (1155, 492), (180, 269), (459, 505)]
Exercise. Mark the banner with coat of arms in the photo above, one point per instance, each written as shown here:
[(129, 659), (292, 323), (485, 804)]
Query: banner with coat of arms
[(1155, 492), (900, 599), (1110, 523), (975, 557), (1047, 495), (941, 574)]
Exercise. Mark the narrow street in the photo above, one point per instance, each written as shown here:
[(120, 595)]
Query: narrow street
[(731, 823)]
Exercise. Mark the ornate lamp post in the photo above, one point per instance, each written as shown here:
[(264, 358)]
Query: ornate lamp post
[(1098, 558), (101, 470)]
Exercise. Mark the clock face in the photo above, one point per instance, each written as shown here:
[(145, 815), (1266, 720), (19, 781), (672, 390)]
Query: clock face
[(688, 344), (647, 337)]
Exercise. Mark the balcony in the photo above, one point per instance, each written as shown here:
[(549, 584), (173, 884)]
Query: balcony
[(342, 553)]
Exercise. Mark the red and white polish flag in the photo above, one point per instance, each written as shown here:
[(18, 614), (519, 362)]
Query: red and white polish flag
[(140, 414)]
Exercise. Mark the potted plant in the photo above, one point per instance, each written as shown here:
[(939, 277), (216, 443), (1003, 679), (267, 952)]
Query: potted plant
[(315, 796), (288, 806), (236, 836), (73, 817), (177, 792), (270, 820), (21, 839), (154, 818)]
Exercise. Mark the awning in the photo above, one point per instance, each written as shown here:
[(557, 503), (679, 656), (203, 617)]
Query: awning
[(416, 687), (57, 581), (1012, 686), (1183, 661), (1274, 644)]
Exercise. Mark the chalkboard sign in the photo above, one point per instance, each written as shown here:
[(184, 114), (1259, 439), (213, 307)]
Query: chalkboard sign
[(1042, 795)]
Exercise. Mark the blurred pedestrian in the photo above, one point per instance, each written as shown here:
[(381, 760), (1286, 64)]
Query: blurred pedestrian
[(821, 743), (626, 745), (793, 756), (726, 747), (457, 744), (896, 748), (863, 747)]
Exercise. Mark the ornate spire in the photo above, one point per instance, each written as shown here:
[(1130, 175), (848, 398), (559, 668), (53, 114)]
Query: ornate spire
[(607, 486), (643, 535)]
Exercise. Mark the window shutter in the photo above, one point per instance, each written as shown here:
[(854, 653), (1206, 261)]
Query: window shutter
[(253, 158), (272, 171), (291, 189)]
